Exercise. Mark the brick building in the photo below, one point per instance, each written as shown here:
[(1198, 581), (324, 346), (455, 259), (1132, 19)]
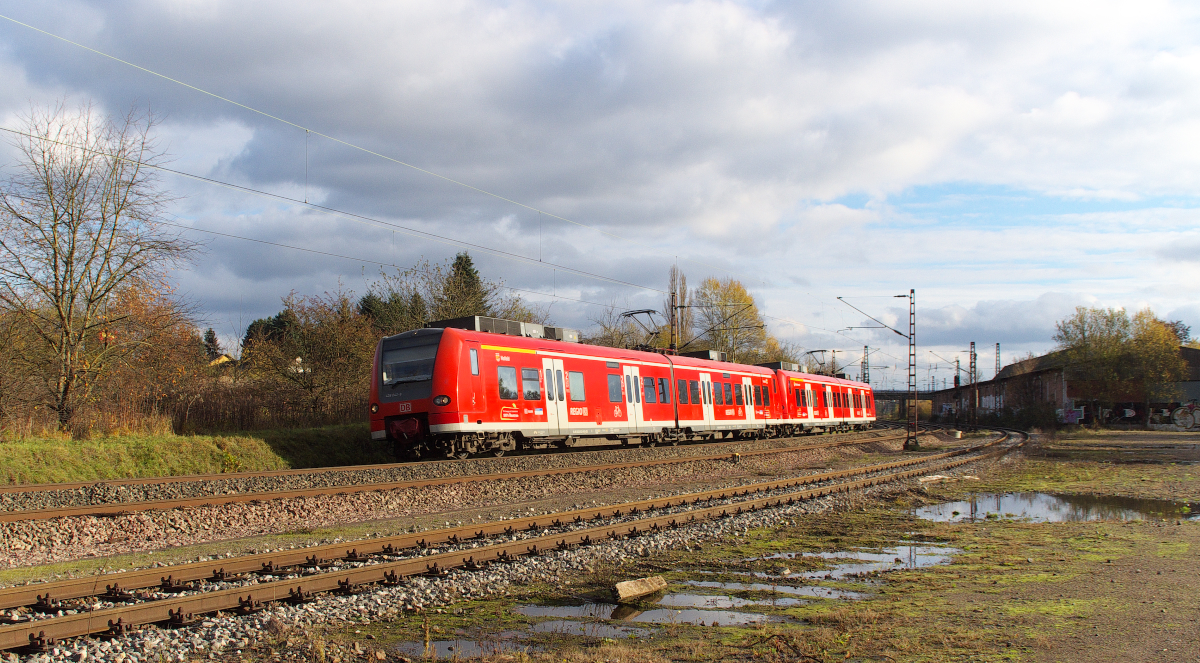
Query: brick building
[(1047, 380)]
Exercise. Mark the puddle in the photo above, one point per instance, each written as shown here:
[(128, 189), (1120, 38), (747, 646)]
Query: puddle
[(808, 590), (1047, 508), (465, 648), (585, 611), (590, 629), (700, 617), (910, 556), (721, 602)]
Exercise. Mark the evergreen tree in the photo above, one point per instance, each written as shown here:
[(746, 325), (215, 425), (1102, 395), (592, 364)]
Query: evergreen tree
[(212, 347), (463, 292)]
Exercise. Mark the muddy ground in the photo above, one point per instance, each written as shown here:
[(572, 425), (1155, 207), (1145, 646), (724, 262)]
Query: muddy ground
[(1011, 591)]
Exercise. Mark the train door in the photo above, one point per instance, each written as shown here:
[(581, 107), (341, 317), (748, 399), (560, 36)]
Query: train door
[(748, 396), (706, 399), (828, 409), (633, 397), (475, 398), (556, 404), (808, 402)]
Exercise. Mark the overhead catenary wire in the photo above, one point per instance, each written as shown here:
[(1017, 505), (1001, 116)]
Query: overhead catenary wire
[(354, 259), (310, 131), (352, 216)]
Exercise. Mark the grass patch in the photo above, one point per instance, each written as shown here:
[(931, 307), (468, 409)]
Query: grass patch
[(54, 460)]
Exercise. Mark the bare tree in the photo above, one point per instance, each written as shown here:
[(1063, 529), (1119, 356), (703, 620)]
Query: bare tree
[(81, 218), (686, 320)]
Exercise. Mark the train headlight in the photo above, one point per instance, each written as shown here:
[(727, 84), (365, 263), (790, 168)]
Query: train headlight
[(374, 408), (441, 400)]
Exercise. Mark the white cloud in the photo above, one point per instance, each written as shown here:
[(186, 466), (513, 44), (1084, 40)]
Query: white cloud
[(722, 132)]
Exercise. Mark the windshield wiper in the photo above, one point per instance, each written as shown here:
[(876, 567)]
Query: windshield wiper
[(419, 378)]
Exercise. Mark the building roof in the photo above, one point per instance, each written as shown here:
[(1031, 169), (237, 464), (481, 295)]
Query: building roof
[(1046, 362)]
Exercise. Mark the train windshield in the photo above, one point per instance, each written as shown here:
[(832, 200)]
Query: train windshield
[(406, 364)]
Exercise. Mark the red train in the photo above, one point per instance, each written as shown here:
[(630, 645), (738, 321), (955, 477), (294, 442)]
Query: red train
[(476, 385)]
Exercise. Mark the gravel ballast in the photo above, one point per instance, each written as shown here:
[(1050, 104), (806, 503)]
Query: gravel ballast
[(233, 636), (76, 537), (149, 490)]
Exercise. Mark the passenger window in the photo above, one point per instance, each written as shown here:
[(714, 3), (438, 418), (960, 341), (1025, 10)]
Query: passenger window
[(648, 394), (718, 398), (549, 385), (728, 394), (508, 382), (737, 394), (474, 361), (533, 388), (799, 402), (683, 394), (628, 389), (695, 389), (766, 397), (559, 382), (577, 392), (614, 389), (664, 390), (757, 394)]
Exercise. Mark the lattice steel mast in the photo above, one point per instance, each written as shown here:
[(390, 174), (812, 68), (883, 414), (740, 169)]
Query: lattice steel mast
[(910, 441)]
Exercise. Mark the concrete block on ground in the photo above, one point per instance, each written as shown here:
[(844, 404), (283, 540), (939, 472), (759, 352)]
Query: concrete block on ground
[(636, 589)]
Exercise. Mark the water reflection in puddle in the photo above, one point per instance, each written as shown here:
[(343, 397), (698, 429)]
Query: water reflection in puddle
[(590, 629), (700, 617), (905, 556), (814, 591), (1047, 508), (721, 602)]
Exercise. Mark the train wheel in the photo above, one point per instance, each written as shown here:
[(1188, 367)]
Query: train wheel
[(498, 452)]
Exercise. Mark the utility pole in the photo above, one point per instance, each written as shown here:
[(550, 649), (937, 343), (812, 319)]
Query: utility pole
[(674, 307), (910, 442), (866, 368), (957, 373), (974, 376), (997, 362)]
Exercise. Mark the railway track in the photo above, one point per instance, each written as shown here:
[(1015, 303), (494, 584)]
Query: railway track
[(118, 508), (296, 575)]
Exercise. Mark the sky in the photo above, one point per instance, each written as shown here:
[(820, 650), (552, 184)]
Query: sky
[(1007, 161)]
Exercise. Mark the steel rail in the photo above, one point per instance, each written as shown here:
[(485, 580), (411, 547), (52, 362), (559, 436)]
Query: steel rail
[(24, 595), (119, 508), (250, 598)]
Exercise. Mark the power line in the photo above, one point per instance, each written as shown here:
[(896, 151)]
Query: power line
[(309, 131), (354, 259), (352, 216)]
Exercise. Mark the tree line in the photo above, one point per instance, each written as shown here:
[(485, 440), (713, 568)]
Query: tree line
[(93, 339), (1112, 357)]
